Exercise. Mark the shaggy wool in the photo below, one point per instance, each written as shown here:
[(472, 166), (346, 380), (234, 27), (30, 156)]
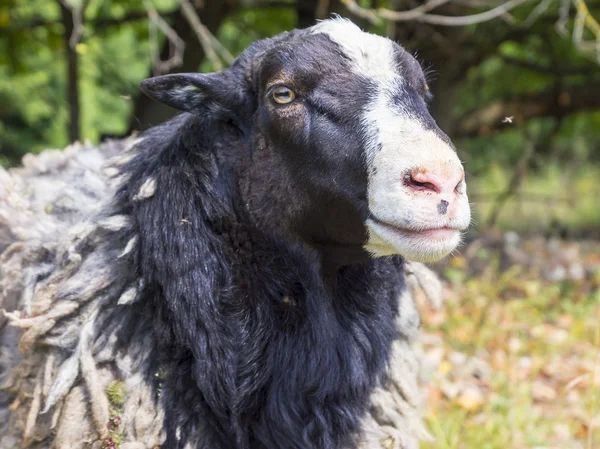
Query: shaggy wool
[(66, 384)]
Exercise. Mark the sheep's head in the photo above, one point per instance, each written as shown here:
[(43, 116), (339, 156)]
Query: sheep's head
[(343, 112)]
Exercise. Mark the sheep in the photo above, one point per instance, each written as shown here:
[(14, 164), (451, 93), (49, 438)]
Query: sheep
[(245, 282)]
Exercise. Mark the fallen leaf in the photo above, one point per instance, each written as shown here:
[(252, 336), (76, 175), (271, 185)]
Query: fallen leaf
[(444, 367), (471, 398), (542, 391)]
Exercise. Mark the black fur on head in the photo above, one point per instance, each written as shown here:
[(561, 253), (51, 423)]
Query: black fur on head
[(302, 170), (270, 320)]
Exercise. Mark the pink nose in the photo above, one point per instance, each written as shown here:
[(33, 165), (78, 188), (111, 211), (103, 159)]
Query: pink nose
[(440, 182)]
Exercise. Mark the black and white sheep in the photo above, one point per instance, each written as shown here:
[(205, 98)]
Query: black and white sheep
[(256, 246)]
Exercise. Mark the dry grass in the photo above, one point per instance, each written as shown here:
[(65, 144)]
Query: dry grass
[(513, 360)]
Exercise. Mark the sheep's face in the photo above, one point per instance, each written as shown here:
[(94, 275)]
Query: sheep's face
[(344, 111), (416, 190)]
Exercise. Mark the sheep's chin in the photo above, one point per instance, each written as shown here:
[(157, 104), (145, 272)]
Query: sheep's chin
[(424, 246)]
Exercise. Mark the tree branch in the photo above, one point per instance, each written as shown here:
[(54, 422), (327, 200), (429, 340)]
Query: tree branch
[(584, 20), (77, 15), (100, 22), (529, 65), (210, 44), (419, 14), (401, 16), (176, 44)]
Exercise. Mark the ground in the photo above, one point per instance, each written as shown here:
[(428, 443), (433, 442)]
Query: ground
[(512, 360)]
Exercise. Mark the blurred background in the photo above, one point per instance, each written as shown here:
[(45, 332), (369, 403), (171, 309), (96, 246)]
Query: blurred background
[(512, 358)]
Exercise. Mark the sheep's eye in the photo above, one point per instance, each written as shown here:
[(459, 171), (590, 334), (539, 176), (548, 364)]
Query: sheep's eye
[(283, 95)]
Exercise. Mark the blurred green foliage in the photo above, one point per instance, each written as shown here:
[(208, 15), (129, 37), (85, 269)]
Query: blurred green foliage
[(500, 62), (33, 74)]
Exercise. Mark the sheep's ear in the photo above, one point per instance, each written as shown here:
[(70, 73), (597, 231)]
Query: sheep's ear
[(195, 92)]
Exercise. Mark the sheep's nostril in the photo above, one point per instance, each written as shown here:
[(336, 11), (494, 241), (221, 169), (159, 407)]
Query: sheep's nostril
[(443, 182), (420, 185), (421, 180)]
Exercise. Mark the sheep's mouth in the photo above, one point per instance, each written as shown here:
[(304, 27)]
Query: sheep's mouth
[(424, 244), (435, 232)]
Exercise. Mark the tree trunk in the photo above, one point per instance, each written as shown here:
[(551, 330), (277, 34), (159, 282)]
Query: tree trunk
[(306, 13), (72, 75)]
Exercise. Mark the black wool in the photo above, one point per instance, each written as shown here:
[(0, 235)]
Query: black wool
[(259, 347)]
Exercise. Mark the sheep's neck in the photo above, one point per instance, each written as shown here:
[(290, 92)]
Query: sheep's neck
[(239, 237), (334, 257), (330, 341)]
